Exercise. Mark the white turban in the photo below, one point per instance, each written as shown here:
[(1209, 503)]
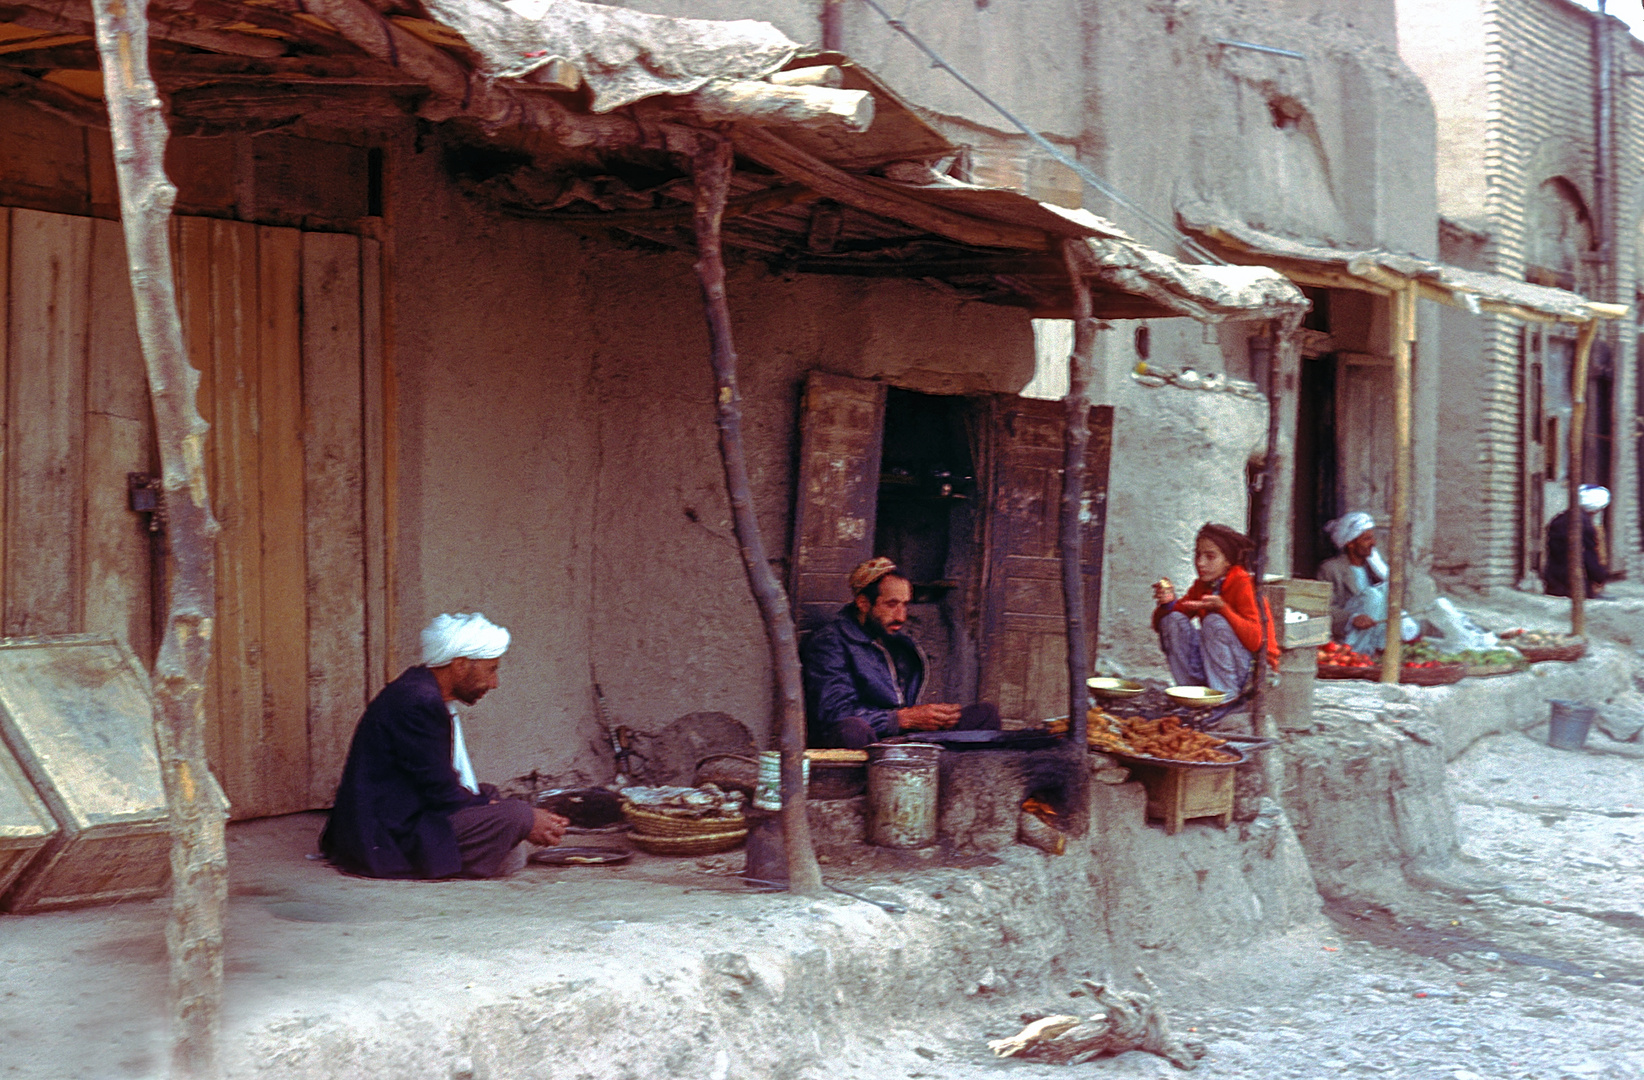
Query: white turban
[(451, 636), (1594, 498), (1349, 527)]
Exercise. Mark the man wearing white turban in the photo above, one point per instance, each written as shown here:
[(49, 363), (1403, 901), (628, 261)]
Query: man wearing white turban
[(1555, 564), (408, 805), (1358, 585)]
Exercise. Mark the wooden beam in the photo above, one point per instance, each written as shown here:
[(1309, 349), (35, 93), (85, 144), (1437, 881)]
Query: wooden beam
[(52, 98), (74, 17), (1577, 436), (1398, 576), (813, 107), (711, 168), (756, 202), (172, 67), (881, 199), (1075, 443)]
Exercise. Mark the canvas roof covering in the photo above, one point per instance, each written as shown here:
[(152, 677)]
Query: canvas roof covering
[(1381, 271)]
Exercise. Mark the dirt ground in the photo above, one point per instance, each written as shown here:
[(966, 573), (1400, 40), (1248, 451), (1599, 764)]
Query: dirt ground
[(1538, 977)]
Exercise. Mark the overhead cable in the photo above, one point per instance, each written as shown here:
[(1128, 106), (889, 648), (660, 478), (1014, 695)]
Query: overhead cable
[(1164, 228)]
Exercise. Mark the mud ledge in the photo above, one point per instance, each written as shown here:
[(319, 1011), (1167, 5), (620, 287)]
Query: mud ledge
[(655, 970)]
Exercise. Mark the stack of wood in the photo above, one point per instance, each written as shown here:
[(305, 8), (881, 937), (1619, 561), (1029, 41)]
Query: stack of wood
[(1128, 1021)]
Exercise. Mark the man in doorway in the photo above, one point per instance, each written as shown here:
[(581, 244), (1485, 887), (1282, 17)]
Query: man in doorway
[(408, 805), (863, 676), (1555, 565)]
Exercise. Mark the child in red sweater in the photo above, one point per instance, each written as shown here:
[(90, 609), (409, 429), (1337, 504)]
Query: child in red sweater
[(1219, 652)]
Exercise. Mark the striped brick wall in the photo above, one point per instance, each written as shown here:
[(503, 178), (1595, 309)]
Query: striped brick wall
[(1539, 83)]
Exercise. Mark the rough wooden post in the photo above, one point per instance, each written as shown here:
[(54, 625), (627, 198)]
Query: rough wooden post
[(1282, 356), (711, 167), (1398, 541), (1577, 451), (194, 934), (1075, 442)]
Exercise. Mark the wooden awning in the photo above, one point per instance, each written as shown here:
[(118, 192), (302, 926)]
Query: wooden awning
[(1386, 273)]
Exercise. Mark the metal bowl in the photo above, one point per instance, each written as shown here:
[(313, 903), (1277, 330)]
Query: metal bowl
[(1103, 686), (1198, 697)]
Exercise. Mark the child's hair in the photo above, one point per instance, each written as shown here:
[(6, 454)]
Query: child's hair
[(1234, 544)]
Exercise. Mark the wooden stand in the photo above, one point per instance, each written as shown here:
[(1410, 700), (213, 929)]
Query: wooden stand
[(1175, 795)]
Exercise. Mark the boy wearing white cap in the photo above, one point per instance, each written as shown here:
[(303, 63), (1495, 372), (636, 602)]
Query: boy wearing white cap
[(408, 805)]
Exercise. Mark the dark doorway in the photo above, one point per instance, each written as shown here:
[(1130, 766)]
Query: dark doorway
[(928, 522), (1317, 496)]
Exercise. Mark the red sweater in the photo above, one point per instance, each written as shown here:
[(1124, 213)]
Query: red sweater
[(1239, 592)]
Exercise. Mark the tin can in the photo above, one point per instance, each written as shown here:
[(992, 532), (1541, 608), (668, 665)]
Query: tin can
[(902, 789), (768, 792)]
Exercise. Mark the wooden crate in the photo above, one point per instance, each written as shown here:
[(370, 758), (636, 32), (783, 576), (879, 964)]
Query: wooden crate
[(77, 714), (1301, 611), (25, 824), (1177, 795)]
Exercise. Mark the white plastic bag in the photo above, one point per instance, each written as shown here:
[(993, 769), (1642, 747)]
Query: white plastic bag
[(1460, 633)]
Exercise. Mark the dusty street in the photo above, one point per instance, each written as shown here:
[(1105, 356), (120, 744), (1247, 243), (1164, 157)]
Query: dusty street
[(1538, 978)]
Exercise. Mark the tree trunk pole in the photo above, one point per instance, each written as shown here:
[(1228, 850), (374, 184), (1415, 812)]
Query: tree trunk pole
[(1398, 541), (1075, 442), (711, 167), (1281, 357), (1577, 452), (194, 933)]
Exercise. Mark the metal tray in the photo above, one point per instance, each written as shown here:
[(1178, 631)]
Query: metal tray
[(578, 856), (987, 740), (1172, 763)]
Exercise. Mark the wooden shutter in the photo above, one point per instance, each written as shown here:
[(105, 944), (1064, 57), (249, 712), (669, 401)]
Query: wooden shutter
[(842, 423), (1024, 623)]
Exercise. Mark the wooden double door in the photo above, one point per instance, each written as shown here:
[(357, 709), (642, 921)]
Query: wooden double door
[(1018, 623), (282, 327)]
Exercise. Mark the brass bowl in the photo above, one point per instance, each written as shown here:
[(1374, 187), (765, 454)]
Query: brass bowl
[(1199, 697), (1107, 687)]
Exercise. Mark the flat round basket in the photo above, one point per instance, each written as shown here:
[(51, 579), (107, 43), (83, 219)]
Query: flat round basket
[(705, 844), (1536, 655), (652, 823), (1484, 671), (1443, 675), (1367, 671)]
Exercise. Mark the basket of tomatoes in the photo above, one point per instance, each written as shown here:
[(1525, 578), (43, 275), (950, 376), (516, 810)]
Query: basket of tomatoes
[(1337, 661)]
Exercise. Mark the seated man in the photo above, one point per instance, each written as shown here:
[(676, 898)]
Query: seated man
[(1555, 565), (1358, 587), (863, 676), (408, 805)]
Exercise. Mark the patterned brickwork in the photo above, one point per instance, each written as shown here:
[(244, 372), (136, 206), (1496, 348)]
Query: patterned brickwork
[(1539, 125)]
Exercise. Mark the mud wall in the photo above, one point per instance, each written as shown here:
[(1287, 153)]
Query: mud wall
[(559, 465)]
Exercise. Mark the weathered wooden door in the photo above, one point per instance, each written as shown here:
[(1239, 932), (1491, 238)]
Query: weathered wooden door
[(1024, 627), (842, 427), (280, 325), (1364, 434)]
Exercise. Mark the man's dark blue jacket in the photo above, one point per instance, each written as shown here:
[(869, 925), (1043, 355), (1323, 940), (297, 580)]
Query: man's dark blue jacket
[(849, 672), (392, 817)]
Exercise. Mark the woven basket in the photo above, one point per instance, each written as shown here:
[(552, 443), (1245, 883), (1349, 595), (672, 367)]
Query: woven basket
[(1368, 671), (652, 823), (1484, 671), (1536, 655), (706, 844), (1443, 675)]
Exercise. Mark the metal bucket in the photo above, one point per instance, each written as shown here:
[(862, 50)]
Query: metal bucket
[(902, 783), (1570, 723)]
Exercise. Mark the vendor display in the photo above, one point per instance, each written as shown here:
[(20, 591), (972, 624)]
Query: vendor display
[(1166, 739), (685, 820), (1537, 646)]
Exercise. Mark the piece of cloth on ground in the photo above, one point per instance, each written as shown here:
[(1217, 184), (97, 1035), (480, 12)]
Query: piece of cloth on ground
[(854, 733)]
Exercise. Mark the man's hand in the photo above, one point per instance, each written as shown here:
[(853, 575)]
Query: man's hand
[(1363, 622), (927, 717), (547, 828)]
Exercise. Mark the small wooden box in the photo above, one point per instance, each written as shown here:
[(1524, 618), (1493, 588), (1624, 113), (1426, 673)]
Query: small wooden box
[(25, 823), (1301, 611), (77, 714), (1176, 795)]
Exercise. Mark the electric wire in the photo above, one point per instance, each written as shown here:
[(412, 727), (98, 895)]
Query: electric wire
[(1175, 235)]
